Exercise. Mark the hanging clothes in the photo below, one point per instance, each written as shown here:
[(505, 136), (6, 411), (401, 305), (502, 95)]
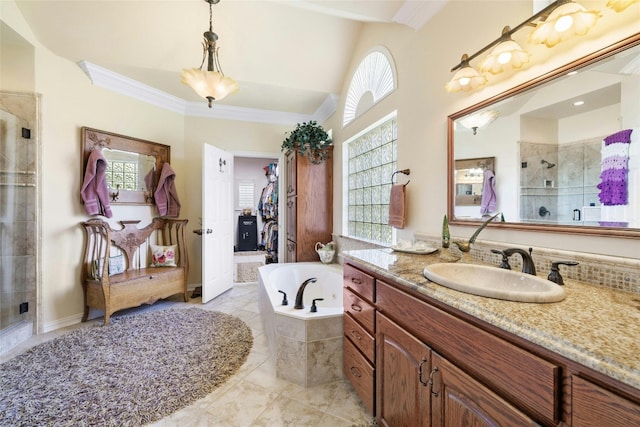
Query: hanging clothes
[(94, 191), (268, 205)]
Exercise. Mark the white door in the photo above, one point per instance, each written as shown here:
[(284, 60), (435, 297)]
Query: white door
[(217, 222)]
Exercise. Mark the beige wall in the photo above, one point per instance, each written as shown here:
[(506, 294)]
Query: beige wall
[(423, 59), (234, 136)]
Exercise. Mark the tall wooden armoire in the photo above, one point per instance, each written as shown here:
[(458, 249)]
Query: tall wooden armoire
[(309, 206)]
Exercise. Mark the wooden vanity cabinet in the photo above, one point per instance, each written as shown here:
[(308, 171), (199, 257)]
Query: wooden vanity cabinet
[(457, 399), (403, 366), (309, 204), (594, 406), (436, 366), (418, 387), (359, 333)]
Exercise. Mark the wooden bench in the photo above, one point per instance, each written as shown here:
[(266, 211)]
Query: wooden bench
[(138, 282)]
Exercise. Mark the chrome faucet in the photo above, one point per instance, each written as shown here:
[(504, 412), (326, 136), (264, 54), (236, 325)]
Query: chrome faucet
[(299, 305), (528, 266)]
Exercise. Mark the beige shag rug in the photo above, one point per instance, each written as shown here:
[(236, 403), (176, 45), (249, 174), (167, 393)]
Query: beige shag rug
[(136, 371)]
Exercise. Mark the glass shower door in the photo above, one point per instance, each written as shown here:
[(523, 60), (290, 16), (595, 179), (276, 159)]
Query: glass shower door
[(18, 216)]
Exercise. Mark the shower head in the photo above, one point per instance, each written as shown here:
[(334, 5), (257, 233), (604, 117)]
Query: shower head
[(549, 165)]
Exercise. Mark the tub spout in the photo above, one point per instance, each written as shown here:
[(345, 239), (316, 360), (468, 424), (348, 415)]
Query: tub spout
[(299, 305)]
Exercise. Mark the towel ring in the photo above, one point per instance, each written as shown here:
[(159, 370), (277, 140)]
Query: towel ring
[(404, 172)]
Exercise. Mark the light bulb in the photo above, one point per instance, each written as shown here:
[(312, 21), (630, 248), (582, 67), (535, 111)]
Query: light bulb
[(464, 81), (563, 24), (504, 57)]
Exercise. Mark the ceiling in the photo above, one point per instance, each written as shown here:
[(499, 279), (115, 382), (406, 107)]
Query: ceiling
[(290, 57)]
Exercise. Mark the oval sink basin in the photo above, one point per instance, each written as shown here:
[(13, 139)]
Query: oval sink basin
[(494, 282)]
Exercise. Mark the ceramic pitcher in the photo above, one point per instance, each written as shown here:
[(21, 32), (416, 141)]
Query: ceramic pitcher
[(325, 252)]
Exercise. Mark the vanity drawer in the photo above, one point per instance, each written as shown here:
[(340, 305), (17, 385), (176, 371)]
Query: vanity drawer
[(359, 281), (529, 381), (359, 337), (360, 310), (361, 374), (593, 406)]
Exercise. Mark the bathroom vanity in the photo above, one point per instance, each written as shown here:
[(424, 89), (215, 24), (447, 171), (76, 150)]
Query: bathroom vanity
[(421, 354)]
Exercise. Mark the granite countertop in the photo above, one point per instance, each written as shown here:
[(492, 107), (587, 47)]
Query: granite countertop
[(595, 326)]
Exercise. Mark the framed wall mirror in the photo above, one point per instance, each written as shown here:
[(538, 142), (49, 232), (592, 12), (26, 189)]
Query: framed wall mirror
[(134, 164), (548, 137)]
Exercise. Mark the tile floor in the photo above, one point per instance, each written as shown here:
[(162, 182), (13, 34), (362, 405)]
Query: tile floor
[(254, 396)]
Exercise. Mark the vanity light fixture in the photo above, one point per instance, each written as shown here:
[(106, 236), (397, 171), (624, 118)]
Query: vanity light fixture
[(567, 19), (578, 103), (466, 78), (506, 53), (620, 5), (557, 22), (211, 83)]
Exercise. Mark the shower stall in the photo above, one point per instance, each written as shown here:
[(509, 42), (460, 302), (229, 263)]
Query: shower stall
[(19, 216)]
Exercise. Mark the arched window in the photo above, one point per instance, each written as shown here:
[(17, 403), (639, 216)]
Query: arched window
[(373, 80)]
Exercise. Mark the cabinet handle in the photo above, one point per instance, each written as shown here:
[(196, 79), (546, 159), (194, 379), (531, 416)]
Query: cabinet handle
[(355, 307), (356, 280), (422, 362), (355, 372), (355, 335), (433, 372)]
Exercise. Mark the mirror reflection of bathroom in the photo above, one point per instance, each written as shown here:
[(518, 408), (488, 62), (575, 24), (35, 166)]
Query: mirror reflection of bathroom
[(470, 182), (560, 177)]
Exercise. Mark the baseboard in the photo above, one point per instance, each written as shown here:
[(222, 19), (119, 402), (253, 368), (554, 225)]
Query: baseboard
[(61, 323)]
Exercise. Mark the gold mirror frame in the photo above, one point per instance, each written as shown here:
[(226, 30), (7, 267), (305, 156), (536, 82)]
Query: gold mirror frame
[(94, 138), (592, 58)]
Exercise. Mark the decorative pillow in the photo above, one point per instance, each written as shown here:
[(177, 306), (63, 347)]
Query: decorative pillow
[(163, 256), (116, 264)]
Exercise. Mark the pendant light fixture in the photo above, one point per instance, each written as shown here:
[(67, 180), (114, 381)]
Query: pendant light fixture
[(211, 83)]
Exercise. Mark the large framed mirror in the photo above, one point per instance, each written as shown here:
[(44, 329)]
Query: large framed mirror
[(133, 165), (548, 136)]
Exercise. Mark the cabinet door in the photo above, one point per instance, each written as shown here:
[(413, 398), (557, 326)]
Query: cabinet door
[(292, 219), (459, 400), (593, 406), (291, 252), (290, 173), (403, 366)]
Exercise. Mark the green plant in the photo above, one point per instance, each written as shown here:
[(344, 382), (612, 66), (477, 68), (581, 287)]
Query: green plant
[(309, 139)]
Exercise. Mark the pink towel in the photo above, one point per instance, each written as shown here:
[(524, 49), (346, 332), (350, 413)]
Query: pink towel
[(397, 206)]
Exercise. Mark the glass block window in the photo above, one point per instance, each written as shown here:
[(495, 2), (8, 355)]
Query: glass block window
[(123, 174), (371, 158)]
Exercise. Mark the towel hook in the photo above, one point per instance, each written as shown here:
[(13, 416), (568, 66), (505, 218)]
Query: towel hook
[(404, 172)]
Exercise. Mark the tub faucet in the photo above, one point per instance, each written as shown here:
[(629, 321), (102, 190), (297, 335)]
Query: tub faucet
[(528, 266), (299, 305)]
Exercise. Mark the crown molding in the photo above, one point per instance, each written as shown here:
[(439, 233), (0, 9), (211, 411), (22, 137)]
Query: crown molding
[(123, 85)]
